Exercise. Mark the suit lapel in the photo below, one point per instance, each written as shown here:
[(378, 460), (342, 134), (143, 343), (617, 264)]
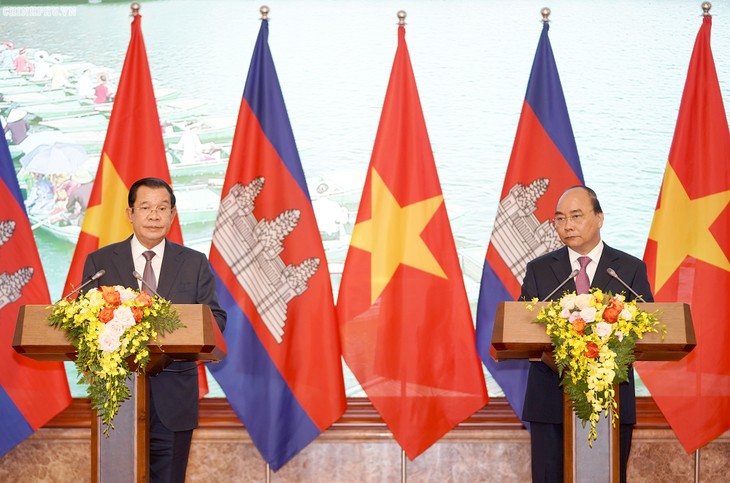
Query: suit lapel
[(124, 264), (561, 269), (609, 259), (172, 262)]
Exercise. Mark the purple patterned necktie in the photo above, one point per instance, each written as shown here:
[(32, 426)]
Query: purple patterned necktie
[(582, 284), (149, 274)]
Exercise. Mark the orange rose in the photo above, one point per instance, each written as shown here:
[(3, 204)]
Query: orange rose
[(610, 314), (111, 296), (617, 304), (591, 350), (579, 325), (144, 298), (137, 313), (106, 314)]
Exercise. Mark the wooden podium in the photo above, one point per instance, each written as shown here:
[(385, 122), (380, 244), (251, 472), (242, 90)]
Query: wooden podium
[(516, 336), (124, 456)]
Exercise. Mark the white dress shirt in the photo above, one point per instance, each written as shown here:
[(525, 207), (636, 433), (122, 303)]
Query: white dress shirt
[(594, 255), (139, 260)]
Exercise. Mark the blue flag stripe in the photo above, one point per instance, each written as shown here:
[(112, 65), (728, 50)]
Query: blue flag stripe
[(510, 375), (545, 97), (257, 392), (7, 173), (14, 428), (268, 105)]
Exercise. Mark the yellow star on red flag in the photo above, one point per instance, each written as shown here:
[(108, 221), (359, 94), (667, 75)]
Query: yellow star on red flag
[(98, 220), (694, 238), (393, 235)]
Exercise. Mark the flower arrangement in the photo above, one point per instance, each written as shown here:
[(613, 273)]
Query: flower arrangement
[(110, 328), (594, 336)]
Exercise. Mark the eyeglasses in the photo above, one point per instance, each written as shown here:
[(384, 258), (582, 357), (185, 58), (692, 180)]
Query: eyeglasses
[(576, 219), (148, 210)]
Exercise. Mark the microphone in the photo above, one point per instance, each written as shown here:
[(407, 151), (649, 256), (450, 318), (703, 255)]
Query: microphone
[(613, 273), (90, 279), (572, 275), (139, 277)]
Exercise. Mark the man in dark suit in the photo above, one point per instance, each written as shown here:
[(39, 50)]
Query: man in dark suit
[(181, 275), (578, 221)]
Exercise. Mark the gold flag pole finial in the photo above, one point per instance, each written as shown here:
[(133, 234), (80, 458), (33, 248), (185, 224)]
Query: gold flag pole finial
[(135, 9), (706, 6), (402, 17), (545, 12), (264, 12)]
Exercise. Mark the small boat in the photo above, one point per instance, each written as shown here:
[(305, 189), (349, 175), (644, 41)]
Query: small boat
[(201, 170), (92, 122), (177, 109), (62, 109), (28, 89), (92, 141), (196, 205), (28, 99), (51, 224), (209, 130)]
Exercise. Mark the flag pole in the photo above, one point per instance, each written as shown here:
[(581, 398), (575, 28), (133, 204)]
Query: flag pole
[(264, 16), (706, 6), (403, 464), (697, 465), (403, 461), (545, 12)]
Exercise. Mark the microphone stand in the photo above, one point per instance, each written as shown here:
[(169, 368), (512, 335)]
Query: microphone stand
[(92, 278)]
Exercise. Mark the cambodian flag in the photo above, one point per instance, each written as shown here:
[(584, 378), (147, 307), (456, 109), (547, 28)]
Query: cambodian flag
[(31, 392), (283, 372), (544, 163)]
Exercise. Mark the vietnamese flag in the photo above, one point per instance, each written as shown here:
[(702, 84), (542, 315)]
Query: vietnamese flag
[(687, 256), (133, 149), (31, 392), (405, 322)]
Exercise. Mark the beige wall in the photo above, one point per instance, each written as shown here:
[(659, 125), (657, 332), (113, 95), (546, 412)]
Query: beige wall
[(489, 447)]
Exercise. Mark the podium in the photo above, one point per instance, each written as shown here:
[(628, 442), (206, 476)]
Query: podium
[(124, 456), (517, 336)]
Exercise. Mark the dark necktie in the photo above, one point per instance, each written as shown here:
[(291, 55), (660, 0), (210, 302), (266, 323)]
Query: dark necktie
[(149, 274), (582, 284)]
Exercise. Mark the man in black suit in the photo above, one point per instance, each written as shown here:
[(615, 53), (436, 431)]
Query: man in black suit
[(578, 221), (181, 275)]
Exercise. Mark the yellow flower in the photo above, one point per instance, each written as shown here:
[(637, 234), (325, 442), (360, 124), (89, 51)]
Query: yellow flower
[(106, 371), (589, 381)]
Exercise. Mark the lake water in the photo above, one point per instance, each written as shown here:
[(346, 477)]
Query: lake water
[(622, 64)]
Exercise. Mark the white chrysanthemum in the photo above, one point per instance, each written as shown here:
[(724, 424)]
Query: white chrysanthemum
[(603, 329), (125, 295), (123, 315), (108, 342), (588, 314)]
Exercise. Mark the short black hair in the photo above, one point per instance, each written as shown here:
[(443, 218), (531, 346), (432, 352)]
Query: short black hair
[(150, 183), (594, 197)]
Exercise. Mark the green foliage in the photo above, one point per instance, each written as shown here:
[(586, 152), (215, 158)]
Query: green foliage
[(594, 336), (111, 327)]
